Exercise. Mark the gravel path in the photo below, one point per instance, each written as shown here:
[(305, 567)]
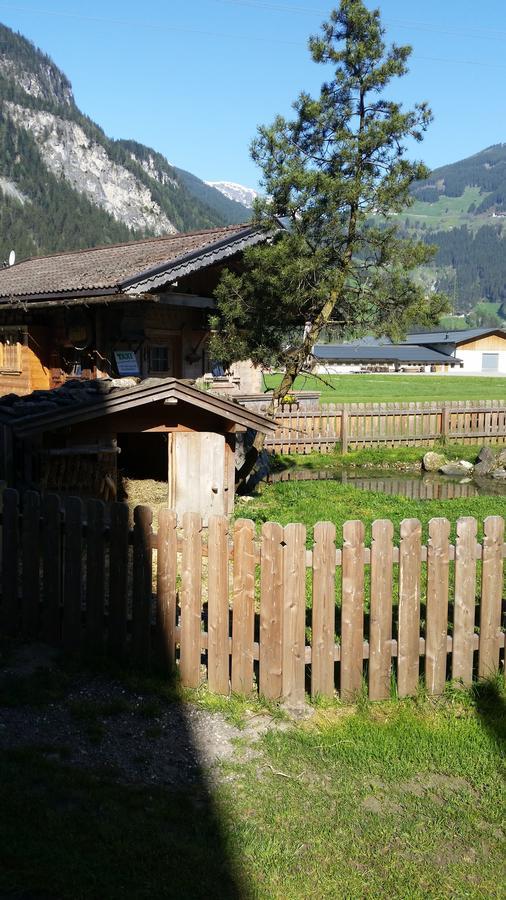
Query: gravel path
[(99, 724)]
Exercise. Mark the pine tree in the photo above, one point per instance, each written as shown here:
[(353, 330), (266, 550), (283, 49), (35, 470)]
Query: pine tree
[(337, 173)]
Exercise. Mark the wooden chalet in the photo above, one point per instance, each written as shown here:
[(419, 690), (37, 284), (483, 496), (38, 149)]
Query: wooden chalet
[(139, 309), (82, 437)]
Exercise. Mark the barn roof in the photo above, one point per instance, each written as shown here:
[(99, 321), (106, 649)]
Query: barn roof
[(79, 401), (382, 353), (451, 337), (131, 268)]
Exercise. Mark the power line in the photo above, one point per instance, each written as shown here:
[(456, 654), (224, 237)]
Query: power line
[(159, 26)]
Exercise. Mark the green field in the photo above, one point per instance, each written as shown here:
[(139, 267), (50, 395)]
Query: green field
[(397, 388)]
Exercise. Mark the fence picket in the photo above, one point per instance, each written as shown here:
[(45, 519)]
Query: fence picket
[(380, 637), (324, 610), (464, 604), (10, 549), (243, 621), (51, 567), (217, 607), (294, 614), (438, 556), (72, 574), (191, 601), (408, 652), (271, 611), (95, 574), (491, 596), (30, 584), (118, 581), (142, 578), (166, 586), (352, 610)]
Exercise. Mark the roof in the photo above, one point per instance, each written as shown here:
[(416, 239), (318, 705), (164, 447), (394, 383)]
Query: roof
[(451, 337), (134, 267), (388, 353), (79, 401)]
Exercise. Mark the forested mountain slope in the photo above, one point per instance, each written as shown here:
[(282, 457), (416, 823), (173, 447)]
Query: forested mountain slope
[(64, 184)]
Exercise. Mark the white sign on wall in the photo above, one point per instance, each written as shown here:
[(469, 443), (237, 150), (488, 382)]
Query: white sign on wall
[(126, 362)]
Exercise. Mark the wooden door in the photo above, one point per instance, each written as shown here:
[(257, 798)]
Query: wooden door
[(197, 474)]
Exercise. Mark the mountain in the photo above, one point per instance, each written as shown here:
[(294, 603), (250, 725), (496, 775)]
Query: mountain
[(236, 192), (64, 184), (461, 208)]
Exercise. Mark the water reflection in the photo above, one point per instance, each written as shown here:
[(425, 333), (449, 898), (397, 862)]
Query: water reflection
[(422, 486)]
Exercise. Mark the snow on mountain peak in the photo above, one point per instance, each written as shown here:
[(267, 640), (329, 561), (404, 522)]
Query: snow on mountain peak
[(233, 191)]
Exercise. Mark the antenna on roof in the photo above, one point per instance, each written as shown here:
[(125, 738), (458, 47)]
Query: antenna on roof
[(10, 262)]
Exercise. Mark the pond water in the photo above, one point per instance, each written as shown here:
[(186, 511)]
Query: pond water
[(418, 486)]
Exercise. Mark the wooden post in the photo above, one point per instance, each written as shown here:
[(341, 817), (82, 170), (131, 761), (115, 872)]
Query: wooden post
[(294, 615), (344, 429), (142, 584), (491, 596), (436, 632), (72, 574), (217, 607), (51, 567), (191, 601), (380, 632), (10, 548), (408, 652), (243, 610), (324, 610), (465, 600), (352, 610), (166, 581), (118, 581), (271, 611)]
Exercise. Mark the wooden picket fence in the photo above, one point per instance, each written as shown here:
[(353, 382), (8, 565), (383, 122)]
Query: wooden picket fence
[(256, 613), (356, 425)]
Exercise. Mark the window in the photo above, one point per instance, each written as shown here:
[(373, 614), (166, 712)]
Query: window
[(159, 360), (10, 352)]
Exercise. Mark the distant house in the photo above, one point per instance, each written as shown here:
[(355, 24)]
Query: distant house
[(473, 351), (140, 308)]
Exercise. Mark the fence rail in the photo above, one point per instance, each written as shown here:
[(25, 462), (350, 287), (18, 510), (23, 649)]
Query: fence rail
[(356, 425), (256, 613)]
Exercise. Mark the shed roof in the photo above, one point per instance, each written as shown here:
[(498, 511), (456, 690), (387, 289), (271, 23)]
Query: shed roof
[(79, 401), (451, 337), (134, 267), (400, 353)]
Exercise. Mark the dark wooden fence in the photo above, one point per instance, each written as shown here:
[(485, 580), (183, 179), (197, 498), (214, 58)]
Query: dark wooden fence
[(256, 613), (356, 425)]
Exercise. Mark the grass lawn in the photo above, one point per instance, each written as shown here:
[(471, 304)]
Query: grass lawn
[(394, 800), (398, 388)]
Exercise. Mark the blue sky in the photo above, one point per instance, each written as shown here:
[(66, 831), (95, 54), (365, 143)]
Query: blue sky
[(193, 78)]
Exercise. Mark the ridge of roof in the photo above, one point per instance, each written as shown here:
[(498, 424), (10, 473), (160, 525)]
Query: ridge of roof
[(222, 229)]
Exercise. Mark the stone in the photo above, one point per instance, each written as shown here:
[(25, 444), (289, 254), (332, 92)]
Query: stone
[(499, 473), (487, 461), (455, 468), (468, 466), (433, 461), (501, 459), (486, 454)]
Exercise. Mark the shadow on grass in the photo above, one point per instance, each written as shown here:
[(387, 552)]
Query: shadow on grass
[(490, 699), (70, 829)]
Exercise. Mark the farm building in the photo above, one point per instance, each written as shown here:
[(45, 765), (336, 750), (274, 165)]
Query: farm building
[(86, 436), (478, 351), (140, 308)]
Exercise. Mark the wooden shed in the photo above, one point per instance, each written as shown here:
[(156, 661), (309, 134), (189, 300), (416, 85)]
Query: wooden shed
[(80, 437)]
